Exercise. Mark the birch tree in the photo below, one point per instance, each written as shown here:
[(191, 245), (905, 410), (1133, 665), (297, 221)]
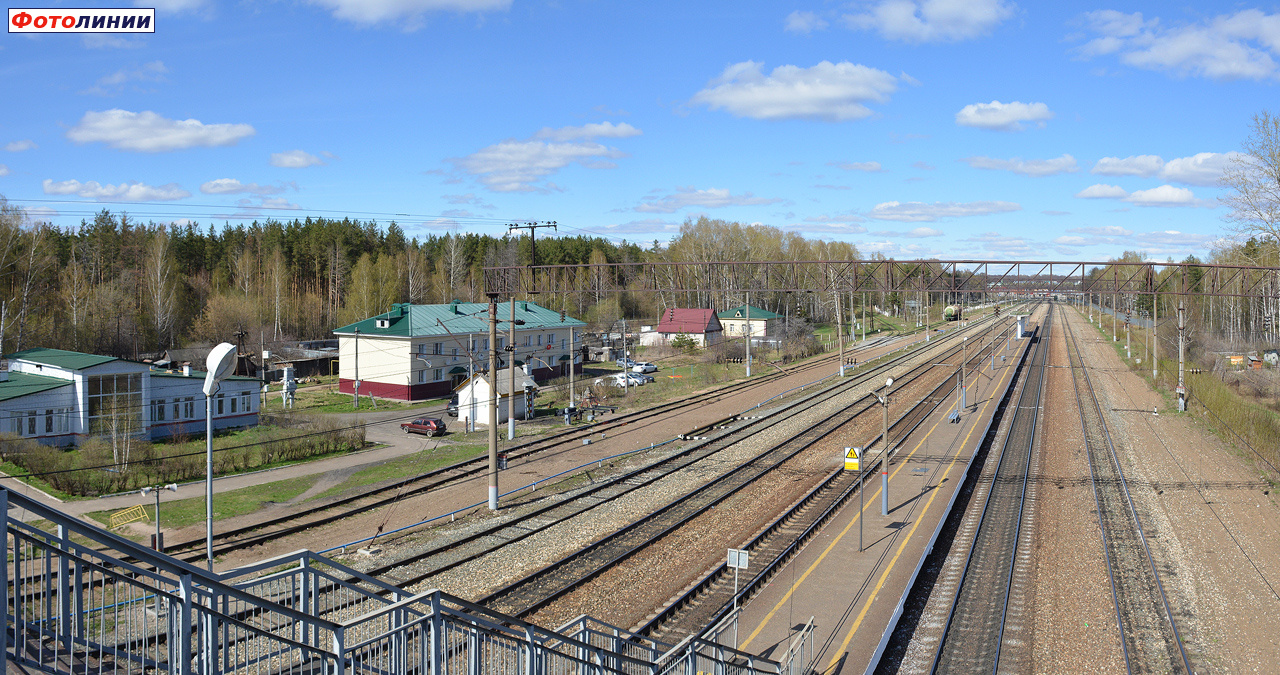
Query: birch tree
[(162, 287), (1253, 178)]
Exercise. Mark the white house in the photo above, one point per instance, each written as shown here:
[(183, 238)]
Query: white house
[(760, 323), (474, 393), (62, 397), (423, 351)]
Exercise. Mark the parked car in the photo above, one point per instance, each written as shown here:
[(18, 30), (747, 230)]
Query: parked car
[(453, 405), (641, 367), (642, 376), (625, 363), (429, 426), (622, 380)]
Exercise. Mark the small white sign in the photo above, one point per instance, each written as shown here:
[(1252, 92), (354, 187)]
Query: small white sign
[(737, 558)]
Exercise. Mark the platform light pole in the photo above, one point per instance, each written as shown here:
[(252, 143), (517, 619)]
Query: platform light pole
[(493, 403), (884, 455), (219, 364)]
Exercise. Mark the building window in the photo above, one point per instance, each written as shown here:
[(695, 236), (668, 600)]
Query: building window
[(115, 403), (158, 414), (63, 424), (422, 348), (233, 405), (502, 342), (551, 338), (455, 351), (438, 374), (189, 406), (177, 409), (527, 338), (48, 421), (422, 376), (437, 348), (31, 423), (244, 403), (539, 339), (219, 404)]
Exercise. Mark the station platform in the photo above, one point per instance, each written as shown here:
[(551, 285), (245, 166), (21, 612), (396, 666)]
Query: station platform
[(853, 594)]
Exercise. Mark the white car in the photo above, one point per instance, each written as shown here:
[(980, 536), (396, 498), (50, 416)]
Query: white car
[(621, 380), (644, 368)]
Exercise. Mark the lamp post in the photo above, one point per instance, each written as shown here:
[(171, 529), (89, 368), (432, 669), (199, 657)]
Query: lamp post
[(171, 487), (884, 454), (221, 362)]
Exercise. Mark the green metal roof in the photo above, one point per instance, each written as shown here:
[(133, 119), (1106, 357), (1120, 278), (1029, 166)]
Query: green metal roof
[(22, 384), (60, 358), (741, 313), (406, 320), (199, 375)]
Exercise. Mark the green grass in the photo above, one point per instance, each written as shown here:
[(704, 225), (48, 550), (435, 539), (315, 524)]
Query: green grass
[(184, 512), (406, 467), (332, 401)]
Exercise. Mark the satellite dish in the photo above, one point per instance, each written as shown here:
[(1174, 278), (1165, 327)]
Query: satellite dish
[(221, 361)]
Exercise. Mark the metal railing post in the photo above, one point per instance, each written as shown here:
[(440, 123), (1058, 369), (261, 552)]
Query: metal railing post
[(4, 570), (183, 655)]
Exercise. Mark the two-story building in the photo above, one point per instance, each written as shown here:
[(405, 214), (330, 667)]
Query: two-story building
[(753, 321), (60, 397), (423, 351)]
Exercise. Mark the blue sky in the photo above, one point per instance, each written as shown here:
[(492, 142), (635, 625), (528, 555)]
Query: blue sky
[(948, 128)]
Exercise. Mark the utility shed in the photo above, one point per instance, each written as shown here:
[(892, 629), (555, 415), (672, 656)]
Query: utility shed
[(474, 393)]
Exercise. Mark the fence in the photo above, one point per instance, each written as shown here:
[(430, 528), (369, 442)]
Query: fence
[(79, 599)]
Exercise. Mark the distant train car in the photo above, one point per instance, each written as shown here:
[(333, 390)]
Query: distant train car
[(951, 313)]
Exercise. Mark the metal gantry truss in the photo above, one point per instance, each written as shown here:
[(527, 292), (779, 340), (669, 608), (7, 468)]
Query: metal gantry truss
[(958, 277)]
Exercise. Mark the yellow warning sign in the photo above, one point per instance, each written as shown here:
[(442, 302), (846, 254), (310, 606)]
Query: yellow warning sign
[(852, 459)]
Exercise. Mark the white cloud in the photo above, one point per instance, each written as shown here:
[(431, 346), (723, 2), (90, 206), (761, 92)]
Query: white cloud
[(804, 22), (1203, 168), (1133, 165), (920, 212), (869, 167), (468, 198), (1072, 240), (4, 170), (919, 21), (515, 166), (1165, 195), (923, 165), (20, 146), (518, 165), (601, 130), (1005, 244), (295, 159), (1224, 47), (41, 213), (409, 13), (1103, 231), (997, 116), (645, 226), (1102, 191), (1026, 167), (834, 92), (231, 186), (132, 191), (710, 198), (115, 83), (148, 132), (922, 232)]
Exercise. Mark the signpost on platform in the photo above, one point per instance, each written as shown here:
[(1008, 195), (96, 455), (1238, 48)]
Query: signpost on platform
[(853, 462), (738, 561)]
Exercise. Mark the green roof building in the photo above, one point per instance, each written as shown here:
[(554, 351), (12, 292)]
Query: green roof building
[(415, 352)]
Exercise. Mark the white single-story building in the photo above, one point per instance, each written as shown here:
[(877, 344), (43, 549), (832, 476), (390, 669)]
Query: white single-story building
[(473, 397), (62, 397), (699, 324), (415, 352)]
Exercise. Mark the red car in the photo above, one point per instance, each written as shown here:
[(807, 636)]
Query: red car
[(430, 426)]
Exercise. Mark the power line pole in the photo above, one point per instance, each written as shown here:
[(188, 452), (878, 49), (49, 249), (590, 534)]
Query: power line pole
[(533, 252), (493, 403)]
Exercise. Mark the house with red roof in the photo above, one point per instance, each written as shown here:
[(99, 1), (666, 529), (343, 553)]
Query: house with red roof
[(700, 324)]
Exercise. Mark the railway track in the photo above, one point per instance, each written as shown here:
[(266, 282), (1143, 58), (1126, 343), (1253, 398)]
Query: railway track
[(384, 495), (533, 593), (712, 597), (1148, 633), (486, 540), (975, 632)]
